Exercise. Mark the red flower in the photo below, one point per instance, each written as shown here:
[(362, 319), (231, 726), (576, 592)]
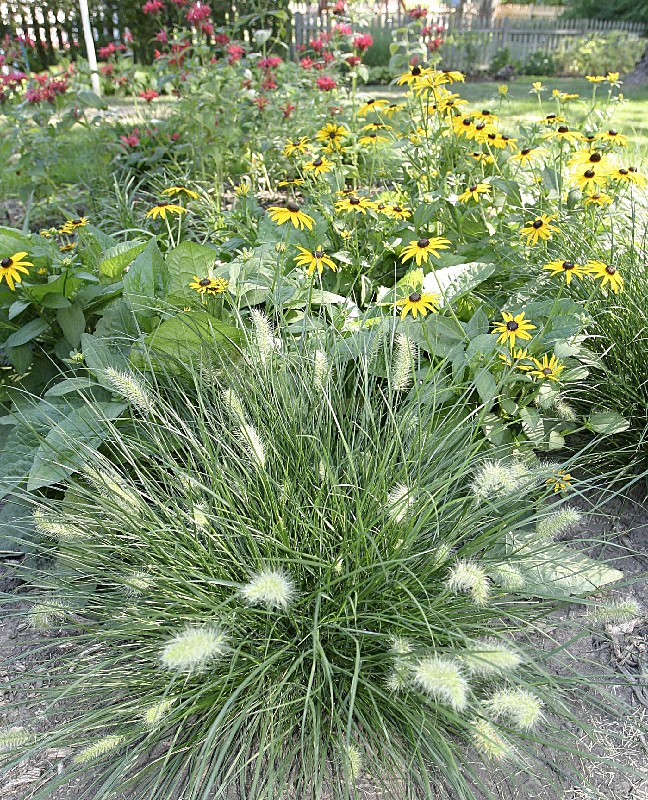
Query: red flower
[(261, 102), (149, 95), (434, 44), (221, 38), (417, 12), (153, 7), (306, 63), (206, 27), (328, 57), (198, 12), (174, 137), (128, 37), (269, 62), (130, 141), (107, 51), (325, 83), (362, 41), (338, 8), (107, 69), (246, 84), (317, 45), (342, 29), (269, 83), (353, 60), (161, 36), (287, 110), (234, 53)]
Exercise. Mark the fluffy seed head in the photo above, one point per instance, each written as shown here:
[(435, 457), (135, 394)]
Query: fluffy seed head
[(154, 715), (400, 502), (615, 612), (468, 578), (488, 741), (271, 588), (402, 366), (441, 554), (112, 487), (193, 649), (495, 479), (264, 341), (130, 388), (564, 411), (489, 656), (53, 527), (400, 646), (320, 370), (137, 582), (13, 739), (508, 577), (254, 445), (559, 522), (233, 406), (443, 680), (101, 747), (352, 758), (199, 515), (517, 706), (46, 614), (399, 679)]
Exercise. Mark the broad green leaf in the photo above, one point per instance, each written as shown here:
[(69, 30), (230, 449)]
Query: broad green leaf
[(17, 530), (72, 322), (560, 571), (15, 309), (32, 330), (455, 281), (186, 261), (65, 284), (486, 386), (607, 422), (117, 258), (146, 280), (192, 333)]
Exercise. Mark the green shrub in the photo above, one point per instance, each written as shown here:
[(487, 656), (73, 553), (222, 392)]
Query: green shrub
[(540, 63), (600, 53), (281, 578)]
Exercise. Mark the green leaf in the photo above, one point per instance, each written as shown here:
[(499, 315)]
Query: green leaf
[(65, 284), (17, 530), (62, 451), (607, 422), (32, 330), (436, 334), (192, 333), (117, 258), (15, 309), (98, 355), (186, 261), (72, 322), (457, 280), (486, 386), (146, 280), (55, 300), (559, 571), (20, 358)]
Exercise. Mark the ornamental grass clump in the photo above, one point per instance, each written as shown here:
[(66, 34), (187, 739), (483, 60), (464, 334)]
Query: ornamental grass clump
[(345, 605)]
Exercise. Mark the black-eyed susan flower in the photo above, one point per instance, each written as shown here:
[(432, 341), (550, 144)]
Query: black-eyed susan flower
[(291, 182), (636, 178), (570, 269), (564, 133), (376, 126), (296, 146), (353, 203), (392, 108), (418, 303), (485, 158), (500, 141), (333, 135), (474, 192), (65, 248), (485, 114), (529, 155), (450, 104), (595, 78), (538, 228), (519, 358), (606, 273), (590, 178), (613, 137), (319, 166), (243, 189), (11, 267), (590, 158), (453, 76), (162, 209), (598, 199), (415, 72), (553, 119), (397, 212), (561, 481), (421, 249), (315, 260), (512, 328), (463, 126), (372, 139), (71, 225), (564, 97), (173, 191), (372, 105), (209, 285), (482, 131), (291, 213), (613, 77), (548, 369)]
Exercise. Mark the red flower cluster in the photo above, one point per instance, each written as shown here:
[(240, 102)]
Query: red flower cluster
[(149, 95), (269, 62), (153, 7), (132, 140), (234, 53), (47, 90), (198, 12), (362, 41), (221, 39), (325, 83), (418, 12), (161, 36)]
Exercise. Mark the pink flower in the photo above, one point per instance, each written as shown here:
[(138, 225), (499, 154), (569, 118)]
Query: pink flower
[(328, 57), (317, 45), (338, 8), (234, 53), (174, 137), (353, 60), (107, 51), (130, 141), (362, 41), (107, 69), (434, 44), (161, 36), (127, 37), (152, 7), (342, 29), (221, 38), (325, 83), (149, 95), (306, 62), (206, 27), (417, 12), (287, 110), (198, 12), (269, 62)]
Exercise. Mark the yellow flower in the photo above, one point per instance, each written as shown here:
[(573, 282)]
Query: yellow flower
[(613, 137), (464, 126), (162, 209), (319, 166), (548, 369), (418, 303), (243, 188), (487, 158), (538, 228), (612, 77), (65, 248), (474, 192), (590, 158), (12, 266), (372, 139), (415, 72), (537, 86), (332, 134), (447, 105), (397, 212), (595, 78), (421, 249), (512, 328), (172, 191), (519, 359), (291, 182), (564, 97), (392, 109), (553, 119), (598, 199), (568, 268), (564, 133), (529, 155), (315, 260), (607, 274), (353, 203), (290, 213), (635, 177), (485, 114), (72, 224), (209, 285), (590, 179), (372, 105), (293, 146), (561, 481), (502, 89), (376, 126)]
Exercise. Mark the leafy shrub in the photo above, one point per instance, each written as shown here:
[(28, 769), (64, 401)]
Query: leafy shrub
[(540, 63), (599, 53), (287, 576)]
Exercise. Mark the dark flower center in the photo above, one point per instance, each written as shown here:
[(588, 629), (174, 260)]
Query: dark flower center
[(547, 371), (372, 135), (204, 282), (492, 136), (467, 121), (623, 171), (486, 113), (632, 169), (371, 102), (589, 173), (317, 162), (397, 209), (512, 326), (472, 188), (480, 126), (610, 270), (6, 263), (76, 221), (525, 152), (613, 133), (551, 116), (354, 201), (416, 70), (163, 205), (318, 253), (568, 265), (292, 207), (563, 129), (380, 206), (423, 243), (414, 297), (595, 158), (296, 144), (538, 223)]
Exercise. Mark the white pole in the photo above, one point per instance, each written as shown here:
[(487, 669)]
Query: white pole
[(90, 47)]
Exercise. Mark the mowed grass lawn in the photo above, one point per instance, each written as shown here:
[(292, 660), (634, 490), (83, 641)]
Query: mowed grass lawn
[(521, 104)]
